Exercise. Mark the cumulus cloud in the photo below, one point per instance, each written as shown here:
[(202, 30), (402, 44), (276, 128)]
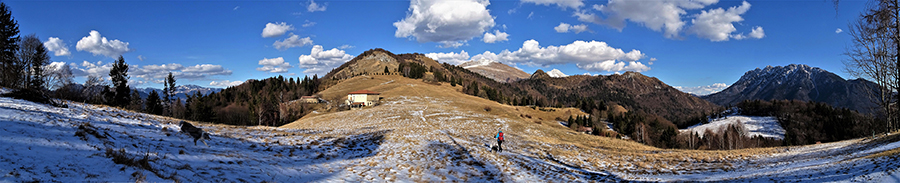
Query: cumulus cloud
[(320, 61), (451, 23), (99, 45), (292, 41), (574, 4), (57, 46), (718, 24), (276, 29), (564, 28), (590, 56), (91, 69), (661, 15), (225, 83), (450, 58), (703, 90), (274, 65), (314, 7), (838, 31), (757, 33), (667, 16), (495, 37)]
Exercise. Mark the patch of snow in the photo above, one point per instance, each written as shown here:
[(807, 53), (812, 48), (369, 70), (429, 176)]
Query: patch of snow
[(754, 126), (478, 63)]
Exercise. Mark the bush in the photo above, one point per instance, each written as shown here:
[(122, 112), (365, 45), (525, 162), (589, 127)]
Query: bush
[(36, 96)]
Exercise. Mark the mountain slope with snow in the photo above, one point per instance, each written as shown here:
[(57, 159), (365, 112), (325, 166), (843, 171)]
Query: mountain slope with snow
[(556, 73), (433, 135), (767, 127), (495, 70)]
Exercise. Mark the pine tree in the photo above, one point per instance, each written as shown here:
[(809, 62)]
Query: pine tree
[(169, 91), (153, 103), (9, 38), (119, 76)]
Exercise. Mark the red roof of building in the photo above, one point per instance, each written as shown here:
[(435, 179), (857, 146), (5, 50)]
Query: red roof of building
[(367, 92)]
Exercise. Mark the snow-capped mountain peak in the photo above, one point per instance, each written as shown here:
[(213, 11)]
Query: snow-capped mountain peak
[(556, 73)]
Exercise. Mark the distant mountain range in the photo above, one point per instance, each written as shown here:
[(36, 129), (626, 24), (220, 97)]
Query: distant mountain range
[(798, 82), (495, 70), (181, 91)]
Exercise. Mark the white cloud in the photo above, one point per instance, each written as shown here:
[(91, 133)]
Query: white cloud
[(308, 24), (236, 7), (574, 4), (346, 46), (292, 41), (158, 73), (313, 7), (202, 71), (225, 83), (451, 23), (91, 69), (703, 90), (320, 61), (450, 58), (757, 33), (838, 31), (99, 45), (275, 30), (57, 46), (717, 24), (141, 58), (452, 44), (564, 27), (274, 65), (667, 16), (590, 56), (658, 15), (496, 36)]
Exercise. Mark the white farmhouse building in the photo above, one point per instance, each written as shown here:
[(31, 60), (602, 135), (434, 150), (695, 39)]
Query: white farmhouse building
[(362, 98)]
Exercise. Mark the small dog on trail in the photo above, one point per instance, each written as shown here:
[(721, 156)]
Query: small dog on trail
[(195, 132)]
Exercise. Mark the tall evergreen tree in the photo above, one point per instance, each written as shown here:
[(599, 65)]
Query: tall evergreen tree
[(119, 76), (9, 38), (169, 91), (153, 103)]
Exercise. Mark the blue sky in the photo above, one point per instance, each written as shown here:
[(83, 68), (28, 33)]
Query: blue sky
[(687, 44)]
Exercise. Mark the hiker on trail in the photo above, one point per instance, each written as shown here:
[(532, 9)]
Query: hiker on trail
[(499, 137)]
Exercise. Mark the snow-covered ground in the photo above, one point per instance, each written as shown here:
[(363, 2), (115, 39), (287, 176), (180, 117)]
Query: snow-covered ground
[(99, 144), (754, 126)]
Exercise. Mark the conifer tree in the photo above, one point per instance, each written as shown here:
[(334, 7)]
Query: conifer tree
[(9, 38), (119, 76)]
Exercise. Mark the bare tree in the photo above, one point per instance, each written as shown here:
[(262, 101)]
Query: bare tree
[(32, 57), (873, 55), (93, 87), (58, 77)]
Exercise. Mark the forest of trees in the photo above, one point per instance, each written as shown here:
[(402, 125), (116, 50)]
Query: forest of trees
[(256, 102)]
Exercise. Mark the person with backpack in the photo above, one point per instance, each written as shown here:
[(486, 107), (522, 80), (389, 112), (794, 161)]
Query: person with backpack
[(499, 137)]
